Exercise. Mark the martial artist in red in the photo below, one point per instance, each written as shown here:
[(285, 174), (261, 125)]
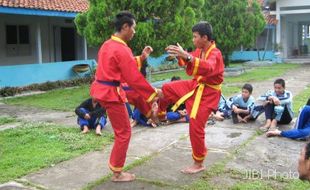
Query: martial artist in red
[(117, 64), (201, 94), (135, 98)]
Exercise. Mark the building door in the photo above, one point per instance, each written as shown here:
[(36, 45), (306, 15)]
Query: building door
[(67, 37)]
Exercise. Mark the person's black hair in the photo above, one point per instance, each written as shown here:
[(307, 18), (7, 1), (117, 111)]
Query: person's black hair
[(123, 17), (307, 152), (280, 82), (175, 78), (248, 87), (308, 102), (203, 28)]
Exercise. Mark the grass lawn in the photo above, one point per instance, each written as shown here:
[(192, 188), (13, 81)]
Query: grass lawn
[(68, 99), (262, 73), (255, 74), (60, 99), (34, 146), (301, 99), (5, 120)]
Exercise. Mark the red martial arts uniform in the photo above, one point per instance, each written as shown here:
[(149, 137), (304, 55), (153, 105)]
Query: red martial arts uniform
[(135, 98), (201, 95), (117, 64)]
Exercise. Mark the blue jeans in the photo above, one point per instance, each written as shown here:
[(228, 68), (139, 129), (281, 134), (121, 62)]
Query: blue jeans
[(92, 122)]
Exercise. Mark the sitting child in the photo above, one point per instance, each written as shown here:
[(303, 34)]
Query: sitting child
[(278, 106), (301, 129), (91, 116), (242, 105), (223, 111)]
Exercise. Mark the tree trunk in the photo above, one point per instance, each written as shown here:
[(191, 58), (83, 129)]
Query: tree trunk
[(226, 60)]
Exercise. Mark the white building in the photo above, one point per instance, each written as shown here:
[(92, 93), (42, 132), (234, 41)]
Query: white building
[(293, 26)]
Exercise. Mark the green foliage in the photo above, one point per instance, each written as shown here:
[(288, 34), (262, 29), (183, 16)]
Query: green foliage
[(159, 23), (34, 146), (235, 23)]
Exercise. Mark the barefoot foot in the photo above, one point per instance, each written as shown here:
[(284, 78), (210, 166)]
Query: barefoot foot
[(193, 169), (85, 130), (123, 177), (98, 130)]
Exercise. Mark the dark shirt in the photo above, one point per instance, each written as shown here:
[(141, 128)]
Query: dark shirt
[(96, 111)]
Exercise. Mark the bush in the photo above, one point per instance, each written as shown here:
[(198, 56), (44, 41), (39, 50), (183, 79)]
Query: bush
[(12, 91)]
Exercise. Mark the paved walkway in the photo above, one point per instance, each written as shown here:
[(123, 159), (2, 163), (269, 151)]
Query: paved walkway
[(167, 149)]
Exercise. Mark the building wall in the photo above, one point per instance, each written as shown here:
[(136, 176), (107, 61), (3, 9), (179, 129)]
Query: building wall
[(50, 52), (293, 3), (12, 19)]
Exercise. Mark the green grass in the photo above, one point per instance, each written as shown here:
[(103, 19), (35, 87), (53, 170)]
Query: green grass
[(60, 99), (301, 99), (255, 185), (298, 184), (5, 120), (68, 99), (261, 73), (25, 150)]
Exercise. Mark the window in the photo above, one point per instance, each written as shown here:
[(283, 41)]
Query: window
[(17, 34), (23, 34), (17, 40), (11, 34)]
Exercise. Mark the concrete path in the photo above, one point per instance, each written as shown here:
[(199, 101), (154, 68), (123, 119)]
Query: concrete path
[(166, 150)]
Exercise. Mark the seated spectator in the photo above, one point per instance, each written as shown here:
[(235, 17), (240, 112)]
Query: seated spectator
[(91, 116), (301, 129), (278, 106), (223, 111), (242, 105)]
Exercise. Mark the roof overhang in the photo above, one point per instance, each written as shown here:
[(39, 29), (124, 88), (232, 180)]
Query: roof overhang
[(36, 12)]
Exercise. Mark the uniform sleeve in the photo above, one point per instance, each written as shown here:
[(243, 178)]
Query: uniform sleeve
[(208, 67), (98, 112), (234, 101), (82, 105), (265, 96), (251, 104), (287, 99), (130, 73)]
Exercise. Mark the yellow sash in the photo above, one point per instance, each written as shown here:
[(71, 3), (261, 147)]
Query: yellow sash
[(200, 87)]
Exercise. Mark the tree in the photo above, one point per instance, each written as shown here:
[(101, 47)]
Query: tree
[(235, 23), (159, 22)]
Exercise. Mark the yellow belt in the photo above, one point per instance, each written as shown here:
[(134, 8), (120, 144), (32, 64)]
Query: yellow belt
[(197, 97)]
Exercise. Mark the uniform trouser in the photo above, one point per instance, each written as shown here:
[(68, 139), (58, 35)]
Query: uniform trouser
[(172, 93), (91, 123), (271, 113), (175, 116), (135, 99), (119, 119)]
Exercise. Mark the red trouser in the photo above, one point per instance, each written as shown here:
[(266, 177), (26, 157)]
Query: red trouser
[(135, 99), (172, 93), (119, 119)]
